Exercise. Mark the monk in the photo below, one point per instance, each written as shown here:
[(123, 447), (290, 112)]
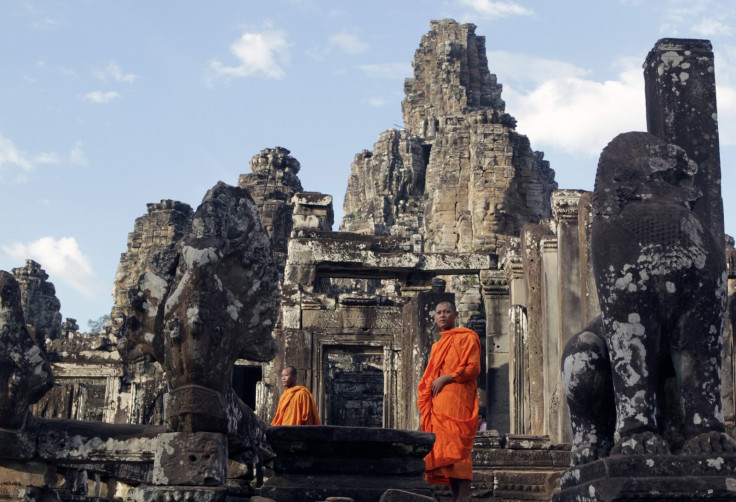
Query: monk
[(448, 402), (296, 406)]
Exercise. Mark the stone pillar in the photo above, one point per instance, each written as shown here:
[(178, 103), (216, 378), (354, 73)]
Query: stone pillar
[(565, 209), (554, 398), (496, 300), (531, 256), (518, 354), (680, 89)]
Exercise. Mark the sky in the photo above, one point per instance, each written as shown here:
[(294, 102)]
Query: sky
[(106, 106)]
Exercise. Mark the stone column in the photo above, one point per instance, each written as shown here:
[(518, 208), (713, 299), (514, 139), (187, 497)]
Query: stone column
[(554, 398), (680, 88), (532, 236), (518, 354), (565, 209), (496, 300)]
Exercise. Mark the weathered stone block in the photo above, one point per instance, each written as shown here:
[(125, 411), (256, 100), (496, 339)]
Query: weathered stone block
[(652, 477), (190, 459), (192, 408)]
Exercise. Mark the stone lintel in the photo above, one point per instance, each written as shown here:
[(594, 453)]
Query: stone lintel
[(339, 254), (78, 441), (77, 370)]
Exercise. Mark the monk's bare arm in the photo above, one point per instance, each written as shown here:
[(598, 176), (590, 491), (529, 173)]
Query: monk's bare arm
[(440, 382)]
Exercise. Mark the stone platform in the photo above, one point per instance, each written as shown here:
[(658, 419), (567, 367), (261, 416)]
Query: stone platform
[(314, 462), (651, 478)]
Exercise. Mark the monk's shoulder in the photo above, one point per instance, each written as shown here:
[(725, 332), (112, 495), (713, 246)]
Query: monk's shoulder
[(466, 335)]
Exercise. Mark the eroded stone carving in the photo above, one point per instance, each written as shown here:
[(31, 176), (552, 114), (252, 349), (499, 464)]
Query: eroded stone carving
[(272, 184), (661, 281), (24, 372), (459, 178), (40, 304)]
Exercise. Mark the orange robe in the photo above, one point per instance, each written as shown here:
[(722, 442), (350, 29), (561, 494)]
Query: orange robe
[(453, 413), (296, 407)]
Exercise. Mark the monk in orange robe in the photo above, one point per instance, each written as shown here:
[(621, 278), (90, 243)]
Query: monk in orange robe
[(296, 406), (448, 402)]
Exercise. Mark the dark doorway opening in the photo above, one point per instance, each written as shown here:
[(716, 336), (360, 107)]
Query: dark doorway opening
[(245, 379), (354, 387)]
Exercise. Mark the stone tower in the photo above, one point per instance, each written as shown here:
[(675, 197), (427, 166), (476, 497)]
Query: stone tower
[(272, 184), (459, 171), (149, 263), (39, 302)]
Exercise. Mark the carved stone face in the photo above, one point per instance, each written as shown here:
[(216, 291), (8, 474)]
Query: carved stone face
[(498, 218)]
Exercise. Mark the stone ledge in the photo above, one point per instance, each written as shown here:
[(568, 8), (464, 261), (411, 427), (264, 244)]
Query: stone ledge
[(652, 478)]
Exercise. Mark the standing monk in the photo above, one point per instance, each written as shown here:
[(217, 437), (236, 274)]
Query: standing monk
[(448, 402), (296, 406)]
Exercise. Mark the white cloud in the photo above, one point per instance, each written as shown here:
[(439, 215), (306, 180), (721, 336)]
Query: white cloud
[(19, 163), (116, 73), (100, 97), (348, 43), (580, 116), (386, 70), (488, 9), (62, 259), (47, 158), (259, 54), (704, 18), (77, 156), (521, 68), (12, 157), (45, 24), (377, 101)]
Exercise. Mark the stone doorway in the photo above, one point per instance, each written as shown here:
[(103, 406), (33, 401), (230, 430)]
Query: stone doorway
[(244, 383), (354, 386)]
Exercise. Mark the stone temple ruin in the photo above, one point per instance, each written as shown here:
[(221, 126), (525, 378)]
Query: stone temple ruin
[(172, 399)]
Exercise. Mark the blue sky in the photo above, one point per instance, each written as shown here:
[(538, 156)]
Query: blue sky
[(106, 106)]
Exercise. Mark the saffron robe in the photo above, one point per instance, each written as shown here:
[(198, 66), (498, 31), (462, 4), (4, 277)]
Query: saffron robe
[(296, 407), (452, 415)]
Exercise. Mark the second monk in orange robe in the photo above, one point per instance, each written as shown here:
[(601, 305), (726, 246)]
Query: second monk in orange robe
[(448, 402), (296, 406)]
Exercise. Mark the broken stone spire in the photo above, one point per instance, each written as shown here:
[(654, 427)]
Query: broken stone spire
[(144, 275), (451, 76), (459, 178), (25, 375), (39, 302), (272, 185)]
